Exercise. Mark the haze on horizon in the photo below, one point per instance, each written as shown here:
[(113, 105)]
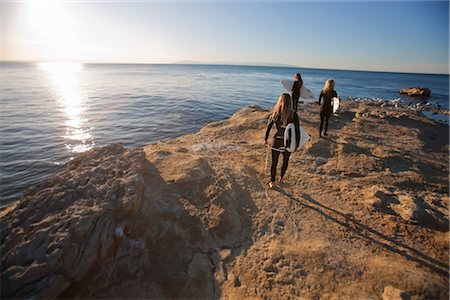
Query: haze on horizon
[(402, 36)]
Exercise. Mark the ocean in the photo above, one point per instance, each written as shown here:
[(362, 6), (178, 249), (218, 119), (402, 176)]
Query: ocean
[(50, 112)]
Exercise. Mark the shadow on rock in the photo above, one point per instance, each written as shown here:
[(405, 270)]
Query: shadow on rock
[(369, 234), (110, 226)]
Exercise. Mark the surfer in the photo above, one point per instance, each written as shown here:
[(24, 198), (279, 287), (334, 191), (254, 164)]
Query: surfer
[(282, 115), (295, 92), (326, 109)]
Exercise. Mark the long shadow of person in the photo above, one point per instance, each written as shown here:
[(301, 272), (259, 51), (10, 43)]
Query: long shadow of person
[(369, 234)]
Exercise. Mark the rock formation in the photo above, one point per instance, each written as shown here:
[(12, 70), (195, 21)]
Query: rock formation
[(416, 92), (363, 211)]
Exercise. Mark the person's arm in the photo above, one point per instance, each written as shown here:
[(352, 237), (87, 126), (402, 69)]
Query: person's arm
[(320, 96), (269, 126), (297, 130), (288, 142), (334, 94)]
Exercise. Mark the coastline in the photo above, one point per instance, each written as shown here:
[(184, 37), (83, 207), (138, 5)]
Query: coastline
[(113, 112), (192, 217)]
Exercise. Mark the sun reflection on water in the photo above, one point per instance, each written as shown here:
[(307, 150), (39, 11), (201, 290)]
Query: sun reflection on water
[(65, 80)]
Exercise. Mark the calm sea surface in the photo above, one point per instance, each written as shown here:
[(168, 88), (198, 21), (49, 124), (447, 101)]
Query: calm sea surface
[(51, 112)]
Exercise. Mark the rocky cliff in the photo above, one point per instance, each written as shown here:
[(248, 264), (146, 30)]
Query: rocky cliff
[(363, 214)]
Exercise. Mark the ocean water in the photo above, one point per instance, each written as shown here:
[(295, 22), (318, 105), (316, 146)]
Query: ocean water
[(51, 112)]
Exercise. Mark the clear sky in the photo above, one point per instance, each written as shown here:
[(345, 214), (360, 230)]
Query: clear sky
[(383, 35)]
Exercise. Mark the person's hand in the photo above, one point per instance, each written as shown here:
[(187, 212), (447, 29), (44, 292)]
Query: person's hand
[(317, 103), (266, 144)]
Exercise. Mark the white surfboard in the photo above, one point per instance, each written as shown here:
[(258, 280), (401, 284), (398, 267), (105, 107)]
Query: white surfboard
[(304, 137), (335, 104), (289, 132), (304, 92)]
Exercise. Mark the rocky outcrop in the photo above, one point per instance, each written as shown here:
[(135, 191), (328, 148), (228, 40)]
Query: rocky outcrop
[(416, 92), (361, 211), (391, 293), (110, 226), (411, 208)]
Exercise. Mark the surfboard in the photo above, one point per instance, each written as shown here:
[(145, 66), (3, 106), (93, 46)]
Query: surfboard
[(304, 137), (290, 130), (290, 136), (335, 104), (304, 92)]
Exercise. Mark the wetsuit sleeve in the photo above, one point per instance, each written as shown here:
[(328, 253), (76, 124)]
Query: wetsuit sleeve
[(320, 96), (297, 129), (334, 94), (269, 126)]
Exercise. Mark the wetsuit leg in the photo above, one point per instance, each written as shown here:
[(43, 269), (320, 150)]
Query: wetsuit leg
[(327, 117), (295, 101), (286, 155), (273, 169), (322, 118)]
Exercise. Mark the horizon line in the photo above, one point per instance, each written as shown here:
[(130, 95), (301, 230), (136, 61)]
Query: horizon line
[(236, 64)]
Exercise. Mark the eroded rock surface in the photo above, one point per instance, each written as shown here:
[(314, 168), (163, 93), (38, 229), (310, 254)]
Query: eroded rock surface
[(111, 226), (363, 215)]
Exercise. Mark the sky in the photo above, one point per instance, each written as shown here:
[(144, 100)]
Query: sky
[(404, 36)]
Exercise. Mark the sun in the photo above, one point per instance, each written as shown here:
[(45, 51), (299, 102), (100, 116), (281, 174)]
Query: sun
[(49, 23)]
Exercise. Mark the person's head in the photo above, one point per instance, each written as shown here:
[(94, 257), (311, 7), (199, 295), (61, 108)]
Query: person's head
[(297, 76), (329, 85), (283, 109)]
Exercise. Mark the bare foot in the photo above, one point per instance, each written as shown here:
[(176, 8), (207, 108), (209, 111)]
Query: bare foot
[(271, 184), (281, 180)]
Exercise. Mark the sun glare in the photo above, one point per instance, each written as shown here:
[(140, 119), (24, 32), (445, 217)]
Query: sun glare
[(65, 79), (49, 23)]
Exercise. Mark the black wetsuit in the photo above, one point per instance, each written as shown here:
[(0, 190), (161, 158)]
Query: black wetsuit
[(326, 109), (295, 92), (277, 142)]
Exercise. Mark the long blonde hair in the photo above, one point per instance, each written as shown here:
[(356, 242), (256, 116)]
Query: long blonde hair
[(329, 85), (283, 109)]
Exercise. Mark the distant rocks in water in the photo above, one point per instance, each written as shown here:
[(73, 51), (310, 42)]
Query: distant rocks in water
[(416, 92)]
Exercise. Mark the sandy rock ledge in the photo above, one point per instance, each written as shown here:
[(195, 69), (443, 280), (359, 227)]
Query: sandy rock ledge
[(363, 215)]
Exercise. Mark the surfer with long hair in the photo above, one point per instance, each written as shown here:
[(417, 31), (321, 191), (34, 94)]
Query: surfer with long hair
[(282, 114), (295, 91), (326, 109)]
